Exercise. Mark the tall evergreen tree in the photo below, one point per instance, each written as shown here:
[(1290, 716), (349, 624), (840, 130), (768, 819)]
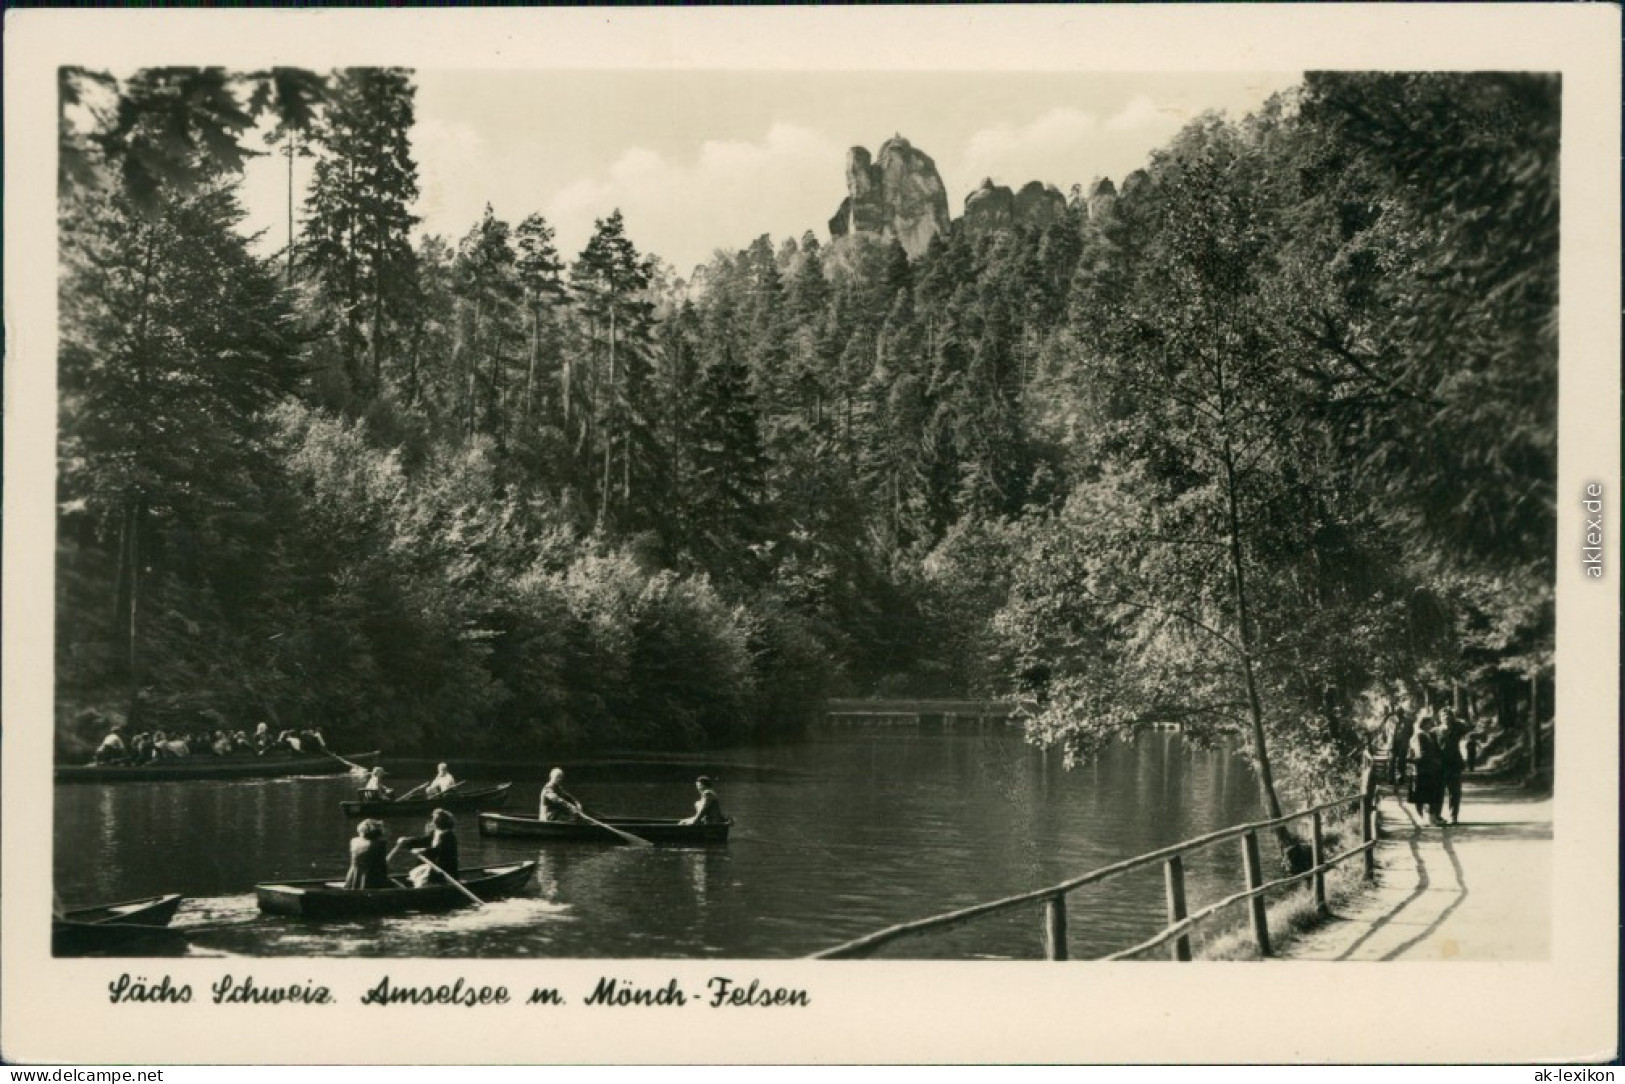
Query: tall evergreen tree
[(357, 220)]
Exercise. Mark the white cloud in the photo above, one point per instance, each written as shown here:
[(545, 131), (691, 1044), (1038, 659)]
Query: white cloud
[(1014, 155), (730, 192)]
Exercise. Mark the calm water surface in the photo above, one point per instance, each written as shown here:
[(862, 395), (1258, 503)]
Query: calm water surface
[(855, 828)]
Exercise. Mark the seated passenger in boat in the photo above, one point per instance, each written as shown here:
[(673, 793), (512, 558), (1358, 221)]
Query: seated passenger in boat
[(163, 748), (112, 750), (708, 810), (373, 790), (262, 738), (558, 804), (440, 784), (369, 861), (438, 844), (222, 744)]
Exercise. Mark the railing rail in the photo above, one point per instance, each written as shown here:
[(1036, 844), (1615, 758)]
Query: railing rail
[(1180, 924)]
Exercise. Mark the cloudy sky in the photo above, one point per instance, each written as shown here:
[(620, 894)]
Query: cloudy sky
[(712, 159)]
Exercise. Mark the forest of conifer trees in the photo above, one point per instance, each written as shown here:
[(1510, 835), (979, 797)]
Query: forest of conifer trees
[(1260, 440)]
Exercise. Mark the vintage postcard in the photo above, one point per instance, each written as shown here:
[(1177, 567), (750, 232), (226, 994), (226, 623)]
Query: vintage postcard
[(1012, 534)]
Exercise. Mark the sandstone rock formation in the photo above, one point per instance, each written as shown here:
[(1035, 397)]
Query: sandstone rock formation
[(994, 207), (898, 194)]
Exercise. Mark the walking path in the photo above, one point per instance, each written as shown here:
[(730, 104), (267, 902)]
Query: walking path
[(1481, 890)]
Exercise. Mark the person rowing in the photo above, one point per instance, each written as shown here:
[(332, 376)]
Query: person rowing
[(437, 844), (441, 783), (558, 804), (708, 810)]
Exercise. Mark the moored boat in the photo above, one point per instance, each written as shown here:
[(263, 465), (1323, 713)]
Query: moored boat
[(324, 898), (674, 833), (83, 938), (148, 911), (460, 799), (209, 766)]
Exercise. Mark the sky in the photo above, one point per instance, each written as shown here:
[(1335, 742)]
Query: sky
[(702, 160)]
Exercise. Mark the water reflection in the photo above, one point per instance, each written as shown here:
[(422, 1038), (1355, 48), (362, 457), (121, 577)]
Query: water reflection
[(853, 829)]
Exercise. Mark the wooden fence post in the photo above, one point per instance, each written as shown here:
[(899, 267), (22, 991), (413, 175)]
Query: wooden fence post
[(1317, 855), (1255, 878), (1174, 879), (1055, 927), (1367, 834)]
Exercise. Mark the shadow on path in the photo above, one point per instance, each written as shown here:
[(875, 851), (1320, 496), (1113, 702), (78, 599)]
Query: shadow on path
[(1421, 888), (1439, 920)]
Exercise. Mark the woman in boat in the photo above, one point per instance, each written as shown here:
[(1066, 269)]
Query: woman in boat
[(558, 804), (438, 844), (262, 738), (708, 810), (369, 862), (440, 784), (373, 790), (112, 749)]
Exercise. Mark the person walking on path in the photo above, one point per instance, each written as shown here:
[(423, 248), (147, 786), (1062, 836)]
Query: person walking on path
[(1427, 781), (1457, 752)]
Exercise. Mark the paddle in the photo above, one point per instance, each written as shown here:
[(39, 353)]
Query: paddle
[(628, 836), (420, 786), (354, 767), (460, 886)]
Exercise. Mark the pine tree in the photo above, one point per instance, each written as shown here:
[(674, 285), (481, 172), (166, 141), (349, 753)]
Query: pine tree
[(357, 220), (610, 279)]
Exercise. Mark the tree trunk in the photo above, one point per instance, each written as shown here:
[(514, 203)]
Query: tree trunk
[(609, 427), (291, 151), (530, 371)]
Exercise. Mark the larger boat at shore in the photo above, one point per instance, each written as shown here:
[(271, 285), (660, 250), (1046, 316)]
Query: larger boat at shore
[(209, 766)]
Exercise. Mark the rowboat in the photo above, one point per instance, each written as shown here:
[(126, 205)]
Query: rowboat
[(481, 798), (209, 766), (113, 926), (148, 911), (674, 833), (84, 938), (321, 898)]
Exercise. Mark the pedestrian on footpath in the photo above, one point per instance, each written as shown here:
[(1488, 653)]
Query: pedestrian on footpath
[(1427, 774), (1458, 751)]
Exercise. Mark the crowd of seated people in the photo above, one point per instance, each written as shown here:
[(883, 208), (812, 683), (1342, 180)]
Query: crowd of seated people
[(148, 746)]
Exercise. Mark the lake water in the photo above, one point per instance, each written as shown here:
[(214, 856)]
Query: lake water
[(855, 828)]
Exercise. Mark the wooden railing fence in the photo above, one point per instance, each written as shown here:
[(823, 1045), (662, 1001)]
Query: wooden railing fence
[(1180, 923)]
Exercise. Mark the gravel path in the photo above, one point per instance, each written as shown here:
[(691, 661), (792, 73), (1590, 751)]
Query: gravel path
[(1481, 890)]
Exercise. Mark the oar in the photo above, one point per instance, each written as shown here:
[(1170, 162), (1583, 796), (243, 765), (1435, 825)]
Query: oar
[(628, 836), (411, 792), (460, 886), (354, 767)]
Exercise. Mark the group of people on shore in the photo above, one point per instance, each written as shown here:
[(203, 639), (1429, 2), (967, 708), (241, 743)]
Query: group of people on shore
[(146, 747), (436, 845), (1429, 755)]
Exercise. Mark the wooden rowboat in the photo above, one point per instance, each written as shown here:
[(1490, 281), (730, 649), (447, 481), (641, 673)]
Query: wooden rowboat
[(323, 898), (655, 831), (114, 926), (148, 911), (84, 938), (481, 798), (209, 766)]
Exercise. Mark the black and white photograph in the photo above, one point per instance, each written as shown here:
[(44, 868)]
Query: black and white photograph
[(532, 530)]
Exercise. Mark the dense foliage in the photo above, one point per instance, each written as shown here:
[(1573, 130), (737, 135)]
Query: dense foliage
[(1261, 441)]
